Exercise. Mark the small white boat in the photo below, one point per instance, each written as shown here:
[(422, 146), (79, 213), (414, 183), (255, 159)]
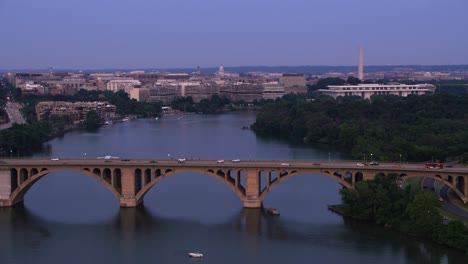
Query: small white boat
[(195, 255), (273, 211)]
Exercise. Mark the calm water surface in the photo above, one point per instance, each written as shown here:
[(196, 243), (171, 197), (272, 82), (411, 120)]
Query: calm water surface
[(68, 217)]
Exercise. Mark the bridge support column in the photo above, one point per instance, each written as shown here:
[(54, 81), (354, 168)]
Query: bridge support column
[(367, 176), (128, 188), (465, 189), (252, 189), (5, 188)]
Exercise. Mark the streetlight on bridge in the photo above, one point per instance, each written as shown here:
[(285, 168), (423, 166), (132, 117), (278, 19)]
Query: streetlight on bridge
[(371, 157), (400, 158), (11, 153)]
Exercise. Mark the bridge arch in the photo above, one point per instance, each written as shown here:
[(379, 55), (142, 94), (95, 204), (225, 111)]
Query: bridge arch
[(23, 186), (460, 184), (439, 178), (284, 175), (222, 175)]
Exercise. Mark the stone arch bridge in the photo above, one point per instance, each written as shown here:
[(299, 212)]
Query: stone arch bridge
[(130, 179)]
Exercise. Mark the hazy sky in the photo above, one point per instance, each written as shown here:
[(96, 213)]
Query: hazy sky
[(93, 34)]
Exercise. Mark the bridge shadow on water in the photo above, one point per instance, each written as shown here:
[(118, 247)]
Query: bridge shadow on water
[(255, 225)]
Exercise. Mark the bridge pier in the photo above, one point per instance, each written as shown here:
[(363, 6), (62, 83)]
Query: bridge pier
[(127, 199), (252, 189), (5, 188), (465, 189)]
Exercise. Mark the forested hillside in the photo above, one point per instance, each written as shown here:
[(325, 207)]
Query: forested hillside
[(417, 127)]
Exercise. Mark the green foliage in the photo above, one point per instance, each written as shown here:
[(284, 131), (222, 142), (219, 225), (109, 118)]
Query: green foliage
[(382, 201), (454, 234), (423, 215), (353, 80), (323, 83), (92, 121), (23, 139), (419, 128), (206, 106)]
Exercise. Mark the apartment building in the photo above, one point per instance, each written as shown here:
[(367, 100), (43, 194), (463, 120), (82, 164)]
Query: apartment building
[(68, 112)]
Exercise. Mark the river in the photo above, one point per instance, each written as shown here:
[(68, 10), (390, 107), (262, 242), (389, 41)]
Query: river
[(68, 217)]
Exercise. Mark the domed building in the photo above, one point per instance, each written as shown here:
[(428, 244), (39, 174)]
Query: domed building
[(222, 73)]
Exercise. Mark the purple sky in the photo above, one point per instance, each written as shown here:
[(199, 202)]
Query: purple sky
[(93, 34)]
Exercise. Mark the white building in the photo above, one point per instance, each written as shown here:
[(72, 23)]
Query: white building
[(140, 94), (126, 85), (367, 90), (272, 90)]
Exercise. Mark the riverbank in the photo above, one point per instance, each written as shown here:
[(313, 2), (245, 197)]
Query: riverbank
[(451, 233), (341, 209)]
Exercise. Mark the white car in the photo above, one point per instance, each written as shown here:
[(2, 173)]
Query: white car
[(220, 161), (181, 160), (54, 159), (236, 160), (361, 164), (286, 164)]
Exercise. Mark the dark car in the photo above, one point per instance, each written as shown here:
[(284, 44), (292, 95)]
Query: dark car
[(374, 163)]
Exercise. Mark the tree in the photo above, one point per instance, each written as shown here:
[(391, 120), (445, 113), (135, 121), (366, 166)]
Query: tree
[(423, 214), (353, 80), (92, 120)]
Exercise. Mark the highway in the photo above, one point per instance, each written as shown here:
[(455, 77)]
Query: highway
[(14, 115), (447, 205)]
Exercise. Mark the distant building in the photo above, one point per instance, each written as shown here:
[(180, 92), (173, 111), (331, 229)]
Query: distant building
[(242, 92), (199, 91), (140, 94), (289, 79), (367, 90), (164, 93), (272, 90), (125, 85), (222, 73), (72, 112)]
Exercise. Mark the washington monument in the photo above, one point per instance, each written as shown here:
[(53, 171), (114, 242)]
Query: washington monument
[(361, 65)]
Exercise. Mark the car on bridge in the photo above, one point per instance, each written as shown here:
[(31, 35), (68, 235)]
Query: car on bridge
[(220, 161), (236, 160), (286, 164), (181, 160), (361, 164), (374, 163)]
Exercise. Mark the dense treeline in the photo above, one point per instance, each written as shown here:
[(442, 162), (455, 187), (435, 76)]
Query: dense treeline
[(213, 105), (20, 140), (382, 201), (419, 128)]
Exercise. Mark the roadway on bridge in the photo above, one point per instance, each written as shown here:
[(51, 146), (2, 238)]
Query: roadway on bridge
[(267, 164)]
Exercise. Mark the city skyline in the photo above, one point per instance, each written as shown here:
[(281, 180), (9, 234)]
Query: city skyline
[(183, 34)]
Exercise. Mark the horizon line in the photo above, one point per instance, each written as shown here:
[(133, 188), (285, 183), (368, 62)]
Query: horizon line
[(214, 67)]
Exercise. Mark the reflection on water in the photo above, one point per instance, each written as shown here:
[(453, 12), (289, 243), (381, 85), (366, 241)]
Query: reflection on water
[(22, 230)]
